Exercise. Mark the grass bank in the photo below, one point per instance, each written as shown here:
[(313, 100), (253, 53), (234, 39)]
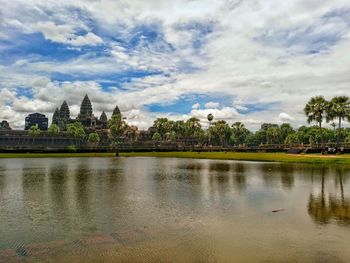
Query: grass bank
[(244, 156), (264, 157)]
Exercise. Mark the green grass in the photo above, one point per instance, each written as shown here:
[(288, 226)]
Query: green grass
[(264, 157)]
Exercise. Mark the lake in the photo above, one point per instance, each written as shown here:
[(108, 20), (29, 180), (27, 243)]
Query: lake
[(172, 210)]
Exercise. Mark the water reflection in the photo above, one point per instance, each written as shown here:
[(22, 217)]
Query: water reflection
[(34, 194), (219, 173), (336, 207), (287, 176), (239, 176), (272, 174), (81, 189), (57, 183)]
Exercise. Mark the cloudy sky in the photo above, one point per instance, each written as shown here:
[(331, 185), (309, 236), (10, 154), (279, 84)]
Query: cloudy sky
[(247, 60)]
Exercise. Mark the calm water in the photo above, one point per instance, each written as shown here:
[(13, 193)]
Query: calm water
[(172, 210)]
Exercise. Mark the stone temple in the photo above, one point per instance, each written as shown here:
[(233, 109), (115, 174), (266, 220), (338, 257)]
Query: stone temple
[(61, 117), (36, 119)]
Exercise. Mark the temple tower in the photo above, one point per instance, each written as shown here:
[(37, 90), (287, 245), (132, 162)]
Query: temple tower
[(103, 120), (64, 116), (116, 111), (86, 107), (87, 119), (64, 111), (56, 116), (103, 117)]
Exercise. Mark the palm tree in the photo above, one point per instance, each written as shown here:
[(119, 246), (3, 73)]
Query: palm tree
[(315, 111), (238, 129), (333, 125), (273, 134), (193, 126), (162, 126), (210, 118), (221, 132), (339, 108)]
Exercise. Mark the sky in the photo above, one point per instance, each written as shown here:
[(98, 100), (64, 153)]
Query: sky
[(241, 60)]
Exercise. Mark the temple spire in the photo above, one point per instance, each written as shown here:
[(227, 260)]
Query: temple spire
[(56, 116), (86, 107), (64, 111), (103, 117), (116, 111)]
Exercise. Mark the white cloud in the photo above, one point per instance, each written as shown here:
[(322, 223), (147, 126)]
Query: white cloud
[(212, 105), (196, 106), (284, 117), (88, 39), (66, 34), (265, 80)]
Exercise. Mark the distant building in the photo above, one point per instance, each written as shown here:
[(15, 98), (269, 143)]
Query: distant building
[(116, 111), (103, 121), (90, 122), (86, 117), (4, 125), (36, 119), (63, 117)]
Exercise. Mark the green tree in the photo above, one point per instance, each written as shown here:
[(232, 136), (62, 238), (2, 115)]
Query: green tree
[(262, 133), (179, 128), (315, 110), (53, 130), (339, 108), (252, 139), (292, 138), (273, 135), (94, 139), (239, 133), (220, 133), (116, 126), (34, 131), (163, 125), (171, 136), (156, 136), (76, 130), (193, 127), (285, 129)]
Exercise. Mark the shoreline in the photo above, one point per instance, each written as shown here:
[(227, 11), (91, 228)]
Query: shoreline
[(262, 157)]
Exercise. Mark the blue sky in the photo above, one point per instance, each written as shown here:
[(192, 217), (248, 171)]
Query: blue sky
[(240, 60)]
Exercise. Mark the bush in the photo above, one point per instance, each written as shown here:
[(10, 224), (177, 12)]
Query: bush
[(72, 148)]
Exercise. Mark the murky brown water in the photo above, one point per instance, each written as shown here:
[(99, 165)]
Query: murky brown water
[(172, 210)]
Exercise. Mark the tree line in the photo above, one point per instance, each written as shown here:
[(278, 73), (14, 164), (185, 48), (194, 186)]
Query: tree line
[(318, 111), (221, 133)]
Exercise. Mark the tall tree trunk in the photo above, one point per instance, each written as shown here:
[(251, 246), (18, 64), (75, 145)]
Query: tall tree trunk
[(321, 133), (338, 135)]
